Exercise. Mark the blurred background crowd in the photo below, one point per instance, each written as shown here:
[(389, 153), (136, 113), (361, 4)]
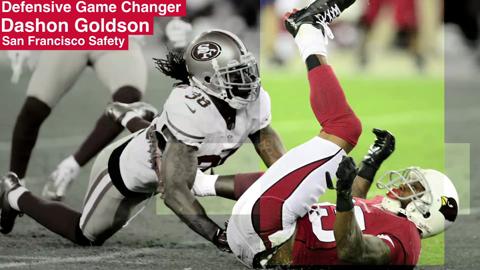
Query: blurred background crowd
[(413, 34)]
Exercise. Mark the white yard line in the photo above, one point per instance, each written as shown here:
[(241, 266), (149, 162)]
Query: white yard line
[(42, 260)]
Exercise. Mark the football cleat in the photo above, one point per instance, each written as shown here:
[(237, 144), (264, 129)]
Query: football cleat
[(319, 14), (118, 110), (8, 214)]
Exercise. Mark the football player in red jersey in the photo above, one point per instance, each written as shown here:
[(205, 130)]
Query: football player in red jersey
[(385, 230), (274, 222)]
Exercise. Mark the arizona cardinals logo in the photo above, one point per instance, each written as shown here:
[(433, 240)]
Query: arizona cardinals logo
[(206, 51), (449, 208)]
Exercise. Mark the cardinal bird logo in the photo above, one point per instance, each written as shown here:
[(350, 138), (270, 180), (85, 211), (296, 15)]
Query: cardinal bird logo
[(449, 208)]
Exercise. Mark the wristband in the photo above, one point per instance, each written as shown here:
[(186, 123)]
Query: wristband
[(367, 172), (344, 201)]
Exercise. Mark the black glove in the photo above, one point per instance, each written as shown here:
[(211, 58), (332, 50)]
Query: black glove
[(220, 240), (346, 173), (379, 151)]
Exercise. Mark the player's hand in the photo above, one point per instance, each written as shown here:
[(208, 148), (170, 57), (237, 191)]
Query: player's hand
[(220, 240), (346, 173), (17, 58), (381, 149)]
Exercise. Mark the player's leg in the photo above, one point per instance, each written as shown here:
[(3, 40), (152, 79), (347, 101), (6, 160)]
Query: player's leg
[(54, 216), (327, 99), (408, 33), (55, 74), (125, 74), (367, 20), (105, 209), (264, 215)]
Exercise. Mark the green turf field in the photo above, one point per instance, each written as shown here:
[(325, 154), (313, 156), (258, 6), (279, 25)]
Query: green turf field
[(412, 108)]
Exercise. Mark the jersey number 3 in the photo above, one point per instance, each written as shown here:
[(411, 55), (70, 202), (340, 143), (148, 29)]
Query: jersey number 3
[(327, 236)]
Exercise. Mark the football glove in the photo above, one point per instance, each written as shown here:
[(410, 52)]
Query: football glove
[(346, 173), (220, 240), (61, 179), (17, 58), (379, 151)]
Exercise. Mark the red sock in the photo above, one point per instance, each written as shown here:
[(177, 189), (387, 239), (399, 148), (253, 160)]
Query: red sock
[(330, 105)]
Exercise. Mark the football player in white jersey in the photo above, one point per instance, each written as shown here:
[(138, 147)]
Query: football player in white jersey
[(205, 120), (124, 73)]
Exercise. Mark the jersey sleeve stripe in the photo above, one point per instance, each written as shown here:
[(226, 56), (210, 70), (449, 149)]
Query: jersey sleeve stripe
[(181, 131)]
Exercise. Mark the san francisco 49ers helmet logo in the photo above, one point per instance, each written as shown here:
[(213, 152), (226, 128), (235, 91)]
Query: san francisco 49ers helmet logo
[(206, 51)]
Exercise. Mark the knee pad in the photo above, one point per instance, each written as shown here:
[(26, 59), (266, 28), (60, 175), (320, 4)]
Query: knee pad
[(127, 94)]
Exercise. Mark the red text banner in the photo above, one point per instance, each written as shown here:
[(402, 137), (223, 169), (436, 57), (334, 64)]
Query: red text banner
[(80, 25)]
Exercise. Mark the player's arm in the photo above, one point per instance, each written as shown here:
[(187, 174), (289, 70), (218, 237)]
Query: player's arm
[(268, 145), (178, 170), (134, 116), (379, 151), (352, 245)]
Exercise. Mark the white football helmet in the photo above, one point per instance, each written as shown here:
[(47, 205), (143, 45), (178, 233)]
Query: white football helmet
[(219, 63), (432, 210)]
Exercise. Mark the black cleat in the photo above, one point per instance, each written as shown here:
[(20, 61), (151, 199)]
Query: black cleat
[(117, 110), (318, 14), (8, 214)]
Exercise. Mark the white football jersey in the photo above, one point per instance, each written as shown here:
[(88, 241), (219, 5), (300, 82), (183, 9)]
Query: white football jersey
[(192, 118)]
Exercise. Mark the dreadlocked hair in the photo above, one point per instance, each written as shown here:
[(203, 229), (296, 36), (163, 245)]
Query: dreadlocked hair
[(173, 66)]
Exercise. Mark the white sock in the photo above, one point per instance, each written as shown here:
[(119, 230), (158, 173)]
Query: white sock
[(14, 195), (204, 184), (311, 41)]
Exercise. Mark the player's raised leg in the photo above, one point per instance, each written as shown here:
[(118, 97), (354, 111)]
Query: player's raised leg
[(265, 216), (309, 27)]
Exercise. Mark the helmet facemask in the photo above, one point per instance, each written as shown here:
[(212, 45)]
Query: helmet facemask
[(420, 199), (238, 82)]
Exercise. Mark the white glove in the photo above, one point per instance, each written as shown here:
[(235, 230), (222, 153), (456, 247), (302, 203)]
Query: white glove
[(178, 32), (17, 58), (61, 179)]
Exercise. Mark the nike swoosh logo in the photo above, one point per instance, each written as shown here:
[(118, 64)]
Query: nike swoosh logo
[(192, 110)]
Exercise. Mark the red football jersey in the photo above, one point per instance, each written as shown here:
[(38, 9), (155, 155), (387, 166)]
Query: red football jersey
[(315, 242)]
